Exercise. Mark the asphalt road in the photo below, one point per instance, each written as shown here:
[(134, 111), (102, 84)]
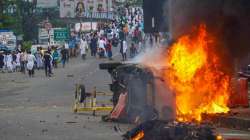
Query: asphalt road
[(41, 108)]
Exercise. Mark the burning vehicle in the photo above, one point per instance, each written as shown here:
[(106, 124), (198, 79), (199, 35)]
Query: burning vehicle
[(179, 86), (185, 81)]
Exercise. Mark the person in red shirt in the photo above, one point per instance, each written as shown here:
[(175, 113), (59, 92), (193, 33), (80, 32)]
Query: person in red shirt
[(109, 49)]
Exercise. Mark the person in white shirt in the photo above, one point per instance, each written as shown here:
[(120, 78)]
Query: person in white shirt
[(66, 47), (83, 48), (18, 63), (123, 50), (102, 43), (30, 64), (9, 62), (101, 48), (23, 61)]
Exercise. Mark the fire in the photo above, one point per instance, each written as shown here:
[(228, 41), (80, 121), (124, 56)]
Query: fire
[(196, 76), (139, 136)]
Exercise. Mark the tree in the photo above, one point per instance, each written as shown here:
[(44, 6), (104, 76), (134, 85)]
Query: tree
[(22, 21), (26, 45), (10, 20)]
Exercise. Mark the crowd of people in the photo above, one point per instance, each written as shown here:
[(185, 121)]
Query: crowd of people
[(126, 32), (133, 30), (25, 61), (49, 58)]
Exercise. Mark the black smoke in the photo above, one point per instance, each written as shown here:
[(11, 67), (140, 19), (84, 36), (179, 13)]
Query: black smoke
[(229, 20)]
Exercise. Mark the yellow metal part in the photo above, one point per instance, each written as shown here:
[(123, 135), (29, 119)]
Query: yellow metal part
[(94, 109), (91, 103)]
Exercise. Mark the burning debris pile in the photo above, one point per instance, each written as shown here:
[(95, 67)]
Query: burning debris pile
[(159, 130)]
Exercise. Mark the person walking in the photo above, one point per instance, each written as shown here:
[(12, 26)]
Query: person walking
[(93, 45), (30, 64), (101, 48), (64, 55), (23, 60), (47, 63), (123, 50), (83, 48), (9, 61), (55, 56), (1, 61), (14, 61), (109, 49), (18, 63), (66, 47), (133, 50), (39, 59)]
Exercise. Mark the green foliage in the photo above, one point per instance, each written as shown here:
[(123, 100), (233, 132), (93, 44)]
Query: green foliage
[(26, 45), (12, 23)]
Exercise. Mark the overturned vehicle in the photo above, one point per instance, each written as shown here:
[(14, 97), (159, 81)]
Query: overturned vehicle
[(138, 94)]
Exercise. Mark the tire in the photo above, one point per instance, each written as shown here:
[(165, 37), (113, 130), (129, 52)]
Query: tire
[(81, 93)]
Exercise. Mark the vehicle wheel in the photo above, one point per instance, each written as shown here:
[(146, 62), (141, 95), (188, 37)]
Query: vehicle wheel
[(81, 93)]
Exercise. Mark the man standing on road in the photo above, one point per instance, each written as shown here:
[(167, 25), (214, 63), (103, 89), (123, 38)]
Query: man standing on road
[(64, 54), (93, 45), (109, 49), (47, 63), (101, 48), (1, 61), (123, 50), (23, 58), (9, 60), (39, 59), (83, 48), (66, 46), (55, 56), (30, 65)]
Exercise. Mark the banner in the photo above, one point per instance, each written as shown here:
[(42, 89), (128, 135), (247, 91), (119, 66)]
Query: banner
[(81, 8), (85, 26), (67, 8), (47, 3)]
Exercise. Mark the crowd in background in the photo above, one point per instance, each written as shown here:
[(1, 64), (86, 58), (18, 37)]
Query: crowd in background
[(126, 32), (99, 43), (25, 61)]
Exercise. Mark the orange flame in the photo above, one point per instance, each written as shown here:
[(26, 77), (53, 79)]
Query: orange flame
[(196, 77), (139, 136), (195, 74)]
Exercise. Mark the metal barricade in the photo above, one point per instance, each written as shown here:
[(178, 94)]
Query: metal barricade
[(87, 102)]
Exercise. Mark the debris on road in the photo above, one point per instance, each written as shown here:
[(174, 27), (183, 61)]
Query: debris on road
[(70, 122), (160, 130), (44, 130), (42, 121), (70, 75)]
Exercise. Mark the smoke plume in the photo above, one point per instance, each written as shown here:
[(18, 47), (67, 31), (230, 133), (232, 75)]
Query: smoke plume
[(228, 20)]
